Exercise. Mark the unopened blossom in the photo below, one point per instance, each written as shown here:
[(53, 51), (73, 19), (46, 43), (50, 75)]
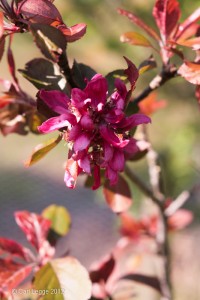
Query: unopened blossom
[(96, 128)]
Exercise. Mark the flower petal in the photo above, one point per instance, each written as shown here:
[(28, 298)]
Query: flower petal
[(132, 121), (78, 98), (108, 152), (57, 123), (56, 100), (109, 135), (71, 173), (111, 175), (82, 142), (84, 163), (96, 90), (97, 177), (117, 162), (86, 122)]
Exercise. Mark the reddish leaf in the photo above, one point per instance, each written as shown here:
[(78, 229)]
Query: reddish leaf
[(73, 33), (189, 22), (34, 226), (1, 25), (190, 71), (11, 275), (131, 73), (5, 100), (193, 43), (133, 18), (102, 270), (40, 11), (14, 248), (2, 46), (150, 105), (180, 219), (166, 14), (11, 62), (118, 196), (135, 38), (197, 93)]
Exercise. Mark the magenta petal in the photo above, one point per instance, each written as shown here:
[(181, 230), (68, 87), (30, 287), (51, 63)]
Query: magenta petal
[(108, 135), (96, 90), (97, 178), (55, 123), (82, 142), (111, 175), (84, 163), (114, 116), (56, 100), (117, 162), (108, 152), (87, 123), (132, 121), (74, 132), (78, 98)]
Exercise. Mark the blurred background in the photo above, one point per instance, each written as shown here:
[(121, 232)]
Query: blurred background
[(174, 133)]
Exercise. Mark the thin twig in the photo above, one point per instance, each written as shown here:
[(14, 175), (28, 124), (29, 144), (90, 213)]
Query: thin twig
[(166, 74)]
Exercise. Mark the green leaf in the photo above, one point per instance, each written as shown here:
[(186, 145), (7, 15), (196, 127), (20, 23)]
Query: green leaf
[(147, 65), (41, 150), (80, 72), (50, 40), (44, 74), (59, 217), (63, 279), (110, 77), (118, 196), (35, 120), (135, 38)]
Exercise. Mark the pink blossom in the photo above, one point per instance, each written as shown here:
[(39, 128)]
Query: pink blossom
[(95, 127)]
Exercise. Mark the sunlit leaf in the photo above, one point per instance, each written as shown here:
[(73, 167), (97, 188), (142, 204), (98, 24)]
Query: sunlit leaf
[(50, 40), (34, 226), (188, 24), (133, 18), (59, 217), (135, 38), (190, 71), (12, 274), (43, 73), (149, 105), (40, 11), (166, 14), (147, 65), (41, 150), (193, 43), (118, 196), (66, 275), (13, 248), (74, 33)]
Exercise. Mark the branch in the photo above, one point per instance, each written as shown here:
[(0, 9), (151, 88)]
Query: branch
[(168, 72), (142, 186), (66, 71)]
